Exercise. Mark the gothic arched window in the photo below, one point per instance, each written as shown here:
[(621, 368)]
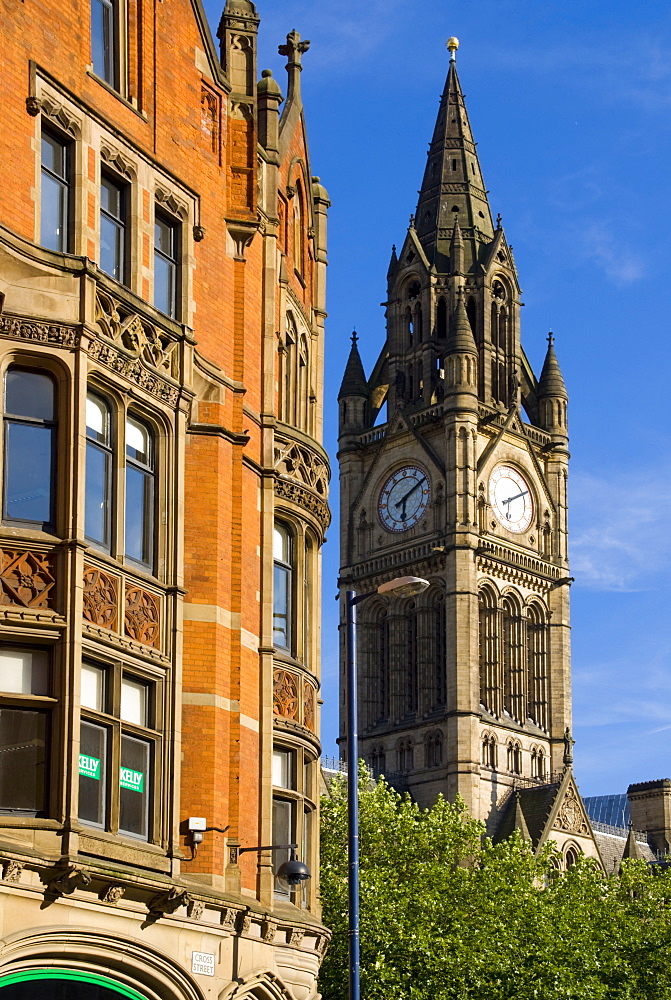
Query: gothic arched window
[(299, 237), (411, 659), (440, 666), (514, 756), (514, 659), (441, 320), (488, 750), (537, 762), (419, 324), (490, 687), (377, 762), (537, 665), (406, 755), (434, 748)]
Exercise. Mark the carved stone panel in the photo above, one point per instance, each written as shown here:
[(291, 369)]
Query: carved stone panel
[(309, 706), (570, 816), (101, 599), (142, 616), (285, 694), (26, 578)]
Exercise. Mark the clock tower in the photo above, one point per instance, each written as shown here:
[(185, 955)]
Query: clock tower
[(461, 480)]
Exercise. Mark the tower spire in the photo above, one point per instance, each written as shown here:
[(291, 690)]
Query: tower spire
[(453, 182)]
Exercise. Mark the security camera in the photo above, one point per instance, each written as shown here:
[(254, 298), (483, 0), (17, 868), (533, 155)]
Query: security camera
[(292, 873)]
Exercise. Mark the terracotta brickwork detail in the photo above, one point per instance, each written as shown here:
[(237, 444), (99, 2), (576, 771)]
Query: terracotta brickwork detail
[(27, 579), (101, 600), (285, 694), (142, 616), (309, 706)]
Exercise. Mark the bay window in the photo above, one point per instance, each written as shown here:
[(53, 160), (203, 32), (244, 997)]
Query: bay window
[(282, 587), (140, 474), (98, 471), (293, 808), (25, 703)]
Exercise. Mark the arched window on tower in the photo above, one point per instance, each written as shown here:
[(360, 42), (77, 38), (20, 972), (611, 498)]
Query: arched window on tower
[(514, 659), (303, 386), (488, 750), (537, 762), (472, 313), (299, 236), (495, 326), (514, 756), (537, 665), (383, 672), (411, 659), (434, 748), (490, 686), (405, 751), (440, 646), (419, 324), (441, 320), (377, 761), (409, 327), (288, 358)]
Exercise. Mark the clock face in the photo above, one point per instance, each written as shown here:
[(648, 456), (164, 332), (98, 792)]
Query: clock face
[(404, 498), (510, 497)]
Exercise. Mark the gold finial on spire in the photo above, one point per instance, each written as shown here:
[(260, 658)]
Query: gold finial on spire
[(453, 45)]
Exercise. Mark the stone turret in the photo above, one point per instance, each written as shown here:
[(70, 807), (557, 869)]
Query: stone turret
[(353, 396), (237, 33), (461, 354), (551, 394)]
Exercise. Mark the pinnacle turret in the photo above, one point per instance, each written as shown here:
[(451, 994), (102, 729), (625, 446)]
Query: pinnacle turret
[(453, 182), (354, 381), (460, 338), (551, 382)]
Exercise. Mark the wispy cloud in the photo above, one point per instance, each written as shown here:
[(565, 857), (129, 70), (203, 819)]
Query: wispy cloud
[(620, 536)]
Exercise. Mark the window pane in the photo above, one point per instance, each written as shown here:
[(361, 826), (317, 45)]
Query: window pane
[(103, 40), (134, 701), (24, 671), (280, 543), (137, 442), (97, 420), (111, 247), (134, 782), (22, 760), (283, 829), (164, 285), (53, 154), (53, 213), (28, 452), (92, 774), (111, 198), (283, 776), (96, 525), (92, 687), (163, 237), (139, 502), (29, 394), (281, 607)]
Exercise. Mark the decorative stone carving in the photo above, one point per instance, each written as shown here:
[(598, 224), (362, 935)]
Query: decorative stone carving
[(60, 115), (209, 117), (304, 498), (199, 233), (134, 371), (26, 579), (195, 909), (32, 106), (63, 882), (120, 163), (244, 922), (101, 600), (112, 894), (168, 902), (142, 616), (268, 930), (136, 334), (285, 694), (309, 706), (295, 937), (11, 871), (172, 203), (570, 816), (44, 333), (228, 916), (298, 462)]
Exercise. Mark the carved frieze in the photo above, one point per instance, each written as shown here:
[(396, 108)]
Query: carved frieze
[(134, 371), (309, 706), (101, 600), (296, 461), (570, 816), (136, 334), (112, 894), (305, 498), (142, 616), (12, 871), (195, 909), (285, 694), (27, 579), (24, 328)]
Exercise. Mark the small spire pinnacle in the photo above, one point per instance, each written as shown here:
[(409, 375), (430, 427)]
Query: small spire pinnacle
[(498, 221), (355, 337), (452, 46), (411, 224), (550, 338)]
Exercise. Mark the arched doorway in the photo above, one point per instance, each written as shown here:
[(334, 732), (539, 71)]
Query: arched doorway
[(64, 984)]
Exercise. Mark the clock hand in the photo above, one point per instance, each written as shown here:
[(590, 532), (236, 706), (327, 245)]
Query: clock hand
[(404, 499), (522, 494)]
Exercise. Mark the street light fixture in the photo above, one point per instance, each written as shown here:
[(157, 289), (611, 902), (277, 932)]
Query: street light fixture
[(402, 586)]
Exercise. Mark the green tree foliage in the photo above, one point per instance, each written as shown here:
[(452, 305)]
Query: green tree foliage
[(446, 915)]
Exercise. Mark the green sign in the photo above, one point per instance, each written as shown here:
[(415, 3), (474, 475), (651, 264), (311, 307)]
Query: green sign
[(89, 767), (38, 976), (133, 780)]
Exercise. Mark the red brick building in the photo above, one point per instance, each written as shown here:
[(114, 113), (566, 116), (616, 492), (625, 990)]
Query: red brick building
[(162, 266)]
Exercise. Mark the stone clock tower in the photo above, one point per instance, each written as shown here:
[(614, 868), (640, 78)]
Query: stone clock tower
[(465, 689)]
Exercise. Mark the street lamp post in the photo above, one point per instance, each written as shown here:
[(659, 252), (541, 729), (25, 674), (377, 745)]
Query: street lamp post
[(403, 586)]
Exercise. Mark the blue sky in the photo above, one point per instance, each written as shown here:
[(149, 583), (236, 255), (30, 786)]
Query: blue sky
[(570, 103)]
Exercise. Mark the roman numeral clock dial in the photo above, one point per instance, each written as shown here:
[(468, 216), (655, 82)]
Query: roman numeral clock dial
[(404, 498), (511, 499)]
